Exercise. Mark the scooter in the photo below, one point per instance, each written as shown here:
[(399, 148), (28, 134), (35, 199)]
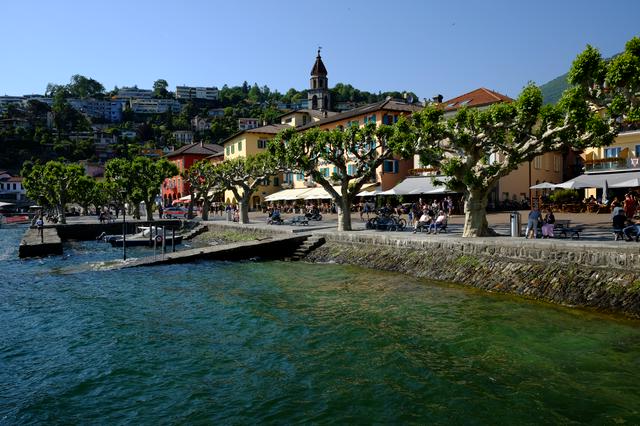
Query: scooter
[(313, 216)]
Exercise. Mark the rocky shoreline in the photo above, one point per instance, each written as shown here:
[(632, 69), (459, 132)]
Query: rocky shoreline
[(494, 268)]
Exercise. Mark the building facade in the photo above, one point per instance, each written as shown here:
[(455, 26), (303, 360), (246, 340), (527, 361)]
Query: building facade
[(176, 187), (251, 142)]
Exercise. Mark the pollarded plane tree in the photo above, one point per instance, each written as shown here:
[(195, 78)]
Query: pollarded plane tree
[(204, 184), (355, 153), (476, 148), (55, 183), (242, 176)]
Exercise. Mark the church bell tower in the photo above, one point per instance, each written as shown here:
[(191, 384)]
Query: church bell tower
[(318, 95)]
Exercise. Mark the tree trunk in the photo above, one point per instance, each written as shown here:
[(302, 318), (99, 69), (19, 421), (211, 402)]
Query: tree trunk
[(344, 216), (244, 207), (475, 214), (62, 218), (205, 210), (149, 210)]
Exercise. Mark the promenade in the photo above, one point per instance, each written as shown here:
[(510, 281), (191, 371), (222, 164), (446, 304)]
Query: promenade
[(597, 227)]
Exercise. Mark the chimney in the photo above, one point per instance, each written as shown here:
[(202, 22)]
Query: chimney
[(202, 144), (437, 99)]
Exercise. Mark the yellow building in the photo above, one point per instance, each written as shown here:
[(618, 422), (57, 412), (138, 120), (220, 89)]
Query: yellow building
[(618, 162), (252, 142)]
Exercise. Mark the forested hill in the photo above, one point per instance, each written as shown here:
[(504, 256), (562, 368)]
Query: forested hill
[(552, 90)]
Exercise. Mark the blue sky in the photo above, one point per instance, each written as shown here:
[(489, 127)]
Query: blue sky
[(429, 47)]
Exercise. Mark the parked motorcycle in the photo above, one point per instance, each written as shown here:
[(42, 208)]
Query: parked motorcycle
[(313, 216)]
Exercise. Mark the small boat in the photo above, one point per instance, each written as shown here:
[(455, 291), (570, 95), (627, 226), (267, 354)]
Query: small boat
[(146, 237)]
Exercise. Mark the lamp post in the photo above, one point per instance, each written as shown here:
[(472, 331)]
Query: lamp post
[(124, 227)]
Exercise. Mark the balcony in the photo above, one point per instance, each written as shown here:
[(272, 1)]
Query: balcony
[(611, 164)]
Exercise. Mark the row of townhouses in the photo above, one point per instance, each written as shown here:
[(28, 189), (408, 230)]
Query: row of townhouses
[(554, 167)]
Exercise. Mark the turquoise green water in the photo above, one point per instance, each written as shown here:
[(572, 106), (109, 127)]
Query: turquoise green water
[(274, 342)]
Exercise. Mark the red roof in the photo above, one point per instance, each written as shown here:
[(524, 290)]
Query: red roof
[(476, 98)]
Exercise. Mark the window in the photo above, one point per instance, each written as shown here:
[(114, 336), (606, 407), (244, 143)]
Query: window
[(287, 178), (239, 146), (637, 150), (325, 171), (557, 163), (228, 151), (351, 169), (276, 181), (537, 162), (300, 176), (355, 123), (233, 149), (370, 119), (390, 166), (612, 152), (262, 143)]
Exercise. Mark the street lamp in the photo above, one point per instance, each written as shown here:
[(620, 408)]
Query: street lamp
[(124, 226)]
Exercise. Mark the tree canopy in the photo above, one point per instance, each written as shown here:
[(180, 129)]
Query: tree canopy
[(355, 153), (478, 147)]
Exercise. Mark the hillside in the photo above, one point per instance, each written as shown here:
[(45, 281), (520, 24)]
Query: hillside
[(552, 90)]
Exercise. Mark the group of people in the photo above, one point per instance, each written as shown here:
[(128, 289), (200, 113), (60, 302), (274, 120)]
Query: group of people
[(427, 218), (622, 217), (536, 220)]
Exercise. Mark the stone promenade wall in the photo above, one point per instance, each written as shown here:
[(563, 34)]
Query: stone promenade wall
[(575, 274)]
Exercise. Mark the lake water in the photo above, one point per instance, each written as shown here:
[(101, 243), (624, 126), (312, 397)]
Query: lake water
[(276, 342)]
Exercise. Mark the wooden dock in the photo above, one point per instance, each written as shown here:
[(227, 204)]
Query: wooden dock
[(276, 247)]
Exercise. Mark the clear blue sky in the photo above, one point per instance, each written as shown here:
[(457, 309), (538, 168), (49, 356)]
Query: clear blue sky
[(447, 47)]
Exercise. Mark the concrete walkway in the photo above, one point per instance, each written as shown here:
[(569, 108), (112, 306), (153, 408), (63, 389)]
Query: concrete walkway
[(597, 227)]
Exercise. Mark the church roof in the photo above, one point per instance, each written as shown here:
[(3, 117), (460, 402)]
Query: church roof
[(318, 67)]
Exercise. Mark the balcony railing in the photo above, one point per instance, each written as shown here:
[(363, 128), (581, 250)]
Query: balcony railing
[(613, 163)]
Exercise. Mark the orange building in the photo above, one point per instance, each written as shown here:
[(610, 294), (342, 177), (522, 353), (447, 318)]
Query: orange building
[(175, 187)]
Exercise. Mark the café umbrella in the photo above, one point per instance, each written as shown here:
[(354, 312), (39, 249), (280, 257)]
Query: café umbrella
[(543, 185)]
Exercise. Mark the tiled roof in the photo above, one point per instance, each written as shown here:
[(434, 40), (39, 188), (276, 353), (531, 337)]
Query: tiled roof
[(270, 129), (196, 149), (387, 105), (318, 67), (476, 98)]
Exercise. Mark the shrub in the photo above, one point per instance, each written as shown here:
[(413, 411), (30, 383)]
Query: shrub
[(565, 196)]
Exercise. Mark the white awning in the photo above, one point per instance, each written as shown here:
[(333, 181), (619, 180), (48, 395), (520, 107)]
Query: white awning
[(320, 193), (288, 194), (3, 204), (415, 185), (598, 181)]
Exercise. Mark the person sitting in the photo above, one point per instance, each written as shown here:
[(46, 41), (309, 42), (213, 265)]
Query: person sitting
[(275, 216), (548, 224), (632, 230), (423, 221), (619, 222), (439, 223)]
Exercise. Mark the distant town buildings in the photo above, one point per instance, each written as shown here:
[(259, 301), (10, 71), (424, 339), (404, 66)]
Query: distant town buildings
[(134, 93), (154, 106), (206, 93), (248, 123)]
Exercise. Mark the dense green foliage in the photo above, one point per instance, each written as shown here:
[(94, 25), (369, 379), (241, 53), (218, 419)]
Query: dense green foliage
[(29, 138), (354, 153), (478, 147)]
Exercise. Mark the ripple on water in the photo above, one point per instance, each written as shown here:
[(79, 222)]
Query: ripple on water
[(216, 342)]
